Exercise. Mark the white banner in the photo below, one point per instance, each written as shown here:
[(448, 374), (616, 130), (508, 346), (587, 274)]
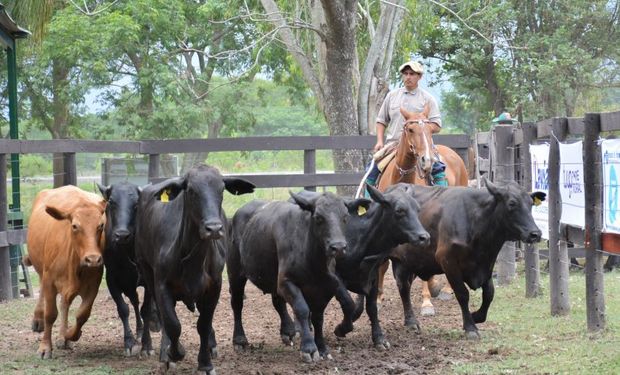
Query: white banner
[(611, 168), (571, 184), (540, 182)]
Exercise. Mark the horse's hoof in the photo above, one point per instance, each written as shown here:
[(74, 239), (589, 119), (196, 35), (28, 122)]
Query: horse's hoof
[(472, 335), (427, 311), (445, 296)]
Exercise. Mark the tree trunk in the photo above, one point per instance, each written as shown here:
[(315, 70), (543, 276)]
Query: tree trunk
[(60, 110), (495, 91)]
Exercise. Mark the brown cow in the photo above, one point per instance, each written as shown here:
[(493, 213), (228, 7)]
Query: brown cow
[(65, 245)]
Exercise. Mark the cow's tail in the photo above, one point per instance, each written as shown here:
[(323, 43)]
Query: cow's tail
[(26, 261)]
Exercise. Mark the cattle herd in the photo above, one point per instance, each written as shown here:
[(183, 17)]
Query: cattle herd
[(174, 239)]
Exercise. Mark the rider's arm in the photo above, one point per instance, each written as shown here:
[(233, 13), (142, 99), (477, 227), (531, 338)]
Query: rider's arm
[(380, 136)]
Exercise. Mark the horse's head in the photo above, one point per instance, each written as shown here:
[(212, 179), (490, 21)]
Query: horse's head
[(418, 135)]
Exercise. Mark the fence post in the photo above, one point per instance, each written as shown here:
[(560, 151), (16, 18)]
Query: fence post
[(6, 292), (70, 169), (593, 181), (558, 255), (310, 166), (153, 167), (503, 170), (531, 256)]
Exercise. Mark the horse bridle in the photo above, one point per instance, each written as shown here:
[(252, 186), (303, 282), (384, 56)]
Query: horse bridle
[(416, 167)]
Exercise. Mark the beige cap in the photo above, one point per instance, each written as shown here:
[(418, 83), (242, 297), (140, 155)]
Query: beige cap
[(414, 65)]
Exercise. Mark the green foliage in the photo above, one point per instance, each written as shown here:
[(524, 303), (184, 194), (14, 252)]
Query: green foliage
[(34, 165)]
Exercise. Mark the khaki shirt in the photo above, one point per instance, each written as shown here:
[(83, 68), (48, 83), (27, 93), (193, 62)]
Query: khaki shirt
[(413, 101)]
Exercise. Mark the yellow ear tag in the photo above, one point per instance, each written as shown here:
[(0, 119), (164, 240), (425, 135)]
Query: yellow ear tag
[(164, 197), (537, 202), (361, 210)]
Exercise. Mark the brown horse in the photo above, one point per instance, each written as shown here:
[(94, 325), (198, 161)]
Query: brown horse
[(412, 164)]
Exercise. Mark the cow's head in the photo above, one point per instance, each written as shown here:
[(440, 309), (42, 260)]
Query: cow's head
[(202, 189), (400, 215), (87, 220), (329, 215), (121, 210), (514, 207)]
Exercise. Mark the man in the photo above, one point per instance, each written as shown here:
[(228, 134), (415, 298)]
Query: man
[(390, 121)]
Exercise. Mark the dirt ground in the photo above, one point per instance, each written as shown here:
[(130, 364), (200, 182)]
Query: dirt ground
[(440, 345)]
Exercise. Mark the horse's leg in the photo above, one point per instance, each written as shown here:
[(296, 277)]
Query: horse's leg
[(427, 306)]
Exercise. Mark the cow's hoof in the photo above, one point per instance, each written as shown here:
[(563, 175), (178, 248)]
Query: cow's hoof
[(176, 355), (147, 353), (134, 350), (64, 344), (445, 296), (472, 335), (342, 329), (287, 339), (45, 353), (382, 344), (310, 357), (37, 325), (213, 352), (205, 372), (413, 324), (167, 368), (427, 311), (327, 356)]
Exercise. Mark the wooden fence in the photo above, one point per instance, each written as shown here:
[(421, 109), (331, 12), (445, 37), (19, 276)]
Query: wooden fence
[(505, 153), (309, 179)]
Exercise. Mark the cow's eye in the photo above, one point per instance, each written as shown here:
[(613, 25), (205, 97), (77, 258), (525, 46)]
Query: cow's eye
[(400, 211), (512, 204)]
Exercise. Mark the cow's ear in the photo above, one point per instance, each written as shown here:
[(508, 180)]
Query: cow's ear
[(495, 190), (105, 191), (238, 186), (538, 197), (357, 206), (168, 190), (56, 213), (302, 202), (375, 194)]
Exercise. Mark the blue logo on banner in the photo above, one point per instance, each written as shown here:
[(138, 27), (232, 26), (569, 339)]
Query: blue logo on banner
[(612, 197)]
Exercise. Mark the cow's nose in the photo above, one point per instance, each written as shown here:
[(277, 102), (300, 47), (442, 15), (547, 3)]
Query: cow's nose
[(534, 236), (93, 260), (121, 235), (424, 239), (213, 230), (337, 249)]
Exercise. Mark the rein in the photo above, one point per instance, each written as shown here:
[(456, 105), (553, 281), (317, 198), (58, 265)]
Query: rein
[(416, 168)]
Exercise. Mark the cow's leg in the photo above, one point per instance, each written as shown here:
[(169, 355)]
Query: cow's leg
[(37, 318), (123, 312), (378, 338), (293, 296), (65, 303), (237, 289), (346, 304), (207, 350), (287, 326), (488, 292), (404, 279), (171, 327), (145, 312), (462, 296), (50, 314), (81, 316), (382, 270), (359, 307), (317, 323), (132, 294)]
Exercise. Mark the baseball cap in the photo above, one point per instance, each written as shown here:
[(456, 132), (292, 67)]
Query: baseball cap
[(414, 65)]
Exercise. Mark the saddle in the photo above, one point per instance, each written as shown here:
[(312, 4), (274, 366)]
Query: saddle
[(385, 155)]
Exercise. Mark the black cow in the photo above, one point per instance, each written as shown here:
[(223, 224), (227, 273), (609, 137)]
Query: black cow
[(181, 247), (119, 256), (468, 228), (289, 251), (391, 219)]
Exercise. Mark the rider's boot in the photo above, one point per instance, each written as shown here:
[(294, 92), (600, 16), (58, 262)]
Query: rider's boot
[(369, 181), (438, 174)]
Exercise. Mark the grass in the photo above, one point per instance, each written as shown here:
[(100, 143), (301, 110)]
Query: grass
[(528, 340)]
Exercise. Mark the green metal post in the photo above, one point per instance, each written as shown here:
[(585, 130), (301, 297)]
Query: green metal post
[(12, 86)]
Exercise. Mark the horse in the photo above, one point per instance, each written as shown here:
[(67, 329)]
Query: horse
[(412, 163)]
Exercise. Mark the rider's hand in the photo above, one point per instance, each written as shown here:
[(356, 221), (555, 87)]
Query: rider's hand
[(378, 146)]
